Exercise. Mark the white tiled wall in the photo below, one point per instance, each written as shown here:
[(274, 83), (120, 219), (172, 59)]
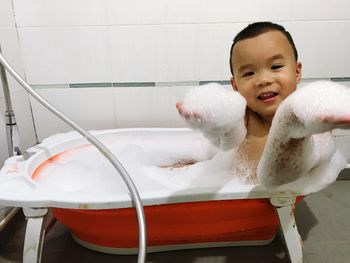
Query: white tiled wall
[(88, 41), (120, 107), (133, 52), (139, 12), (7, 17), (21, 107), (154, 53), (11, 50), (20, 101), (56, 55), (275, 10), (166, 52), (36, 13), (322, 47), (148, 106), (213, 50), (76, 104), (136, 12), (158, 46)]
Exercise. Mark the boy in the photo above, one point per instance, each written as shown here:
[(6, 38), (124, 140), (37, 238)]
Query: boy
[(265, 71)]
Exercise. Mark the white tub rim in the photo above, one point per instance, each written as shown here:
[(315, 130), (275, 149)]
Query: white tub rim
[(17, 172)]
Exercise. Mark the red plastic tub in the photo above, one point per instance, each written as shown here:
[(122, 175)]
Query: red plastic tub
[(174, 226)]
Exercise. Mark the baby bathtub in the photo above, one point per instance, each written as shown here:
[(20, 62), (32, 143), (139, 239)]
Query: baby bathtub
[(208, 208), (174, 226)]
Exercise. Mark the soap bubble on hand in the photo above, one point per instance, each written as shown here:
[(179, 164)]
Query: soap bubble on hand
[(211, 106)]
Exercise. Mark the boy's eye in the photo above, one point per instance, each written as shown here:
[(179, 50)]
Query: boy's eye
[(274, 67), (247, 74)]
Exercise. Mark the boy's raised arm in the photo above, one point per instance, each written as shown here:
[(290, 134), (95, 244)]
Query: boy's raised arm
[(300, 154)]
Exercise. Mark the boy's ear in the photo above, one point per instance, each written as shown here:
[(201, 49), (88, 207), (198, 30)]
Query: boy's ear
[(233, 83), (298, 72)]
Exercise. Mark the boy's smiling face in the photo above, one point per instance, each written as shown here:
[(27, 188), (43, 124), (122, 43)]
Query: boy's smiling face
[(265, 71)]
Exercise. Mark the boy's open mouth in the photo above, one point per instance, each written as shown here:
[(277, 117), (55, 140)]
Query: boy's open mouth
[(267, 95)]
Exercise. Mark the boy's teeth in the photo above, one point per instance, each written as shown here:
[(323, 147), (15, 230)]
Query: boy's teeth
[(267, 95)]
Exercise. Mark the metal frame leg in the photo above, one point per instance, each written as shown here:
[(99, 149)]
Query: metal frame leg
[(284, 208), (35, 232)]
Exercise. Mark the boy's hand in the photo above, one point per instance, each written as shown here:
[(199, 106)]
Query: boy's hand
[(193, 119), (338, 121)]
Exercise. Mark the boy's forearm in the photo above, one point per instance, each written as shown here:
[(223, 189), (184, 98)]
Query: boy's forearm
[(285, 161), (226, 138), (217, 112)]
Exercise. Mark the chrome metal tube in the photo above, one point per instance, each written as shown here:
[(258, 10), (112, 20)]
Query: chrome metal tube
[(107, 153), (5, 87), (12, 136), (13, 141), (8, 217)]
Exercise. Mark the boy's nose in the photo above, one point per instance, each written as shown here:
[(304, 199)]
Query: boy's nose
[(264, 79)]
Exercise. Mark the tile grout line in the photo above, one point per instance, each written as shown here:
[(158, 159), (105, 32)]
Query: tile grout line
[(162, 84)]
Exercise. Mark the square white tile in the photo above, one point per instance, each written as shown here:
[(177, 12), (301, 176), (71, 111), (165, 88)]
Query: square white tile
[(33, 13), (148, 106), (7, 17), (176, 47), (90, 108), (58, 55), (322, 47), (226, 11), (313, 10), (213, 50), (138, 12), (11, 51), (133, 53), (154, 53), (271, 10)]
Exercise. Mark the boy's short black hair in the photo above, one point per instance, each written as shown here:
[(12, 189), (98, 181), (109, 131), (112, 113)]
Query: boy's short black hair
[(258, 28)]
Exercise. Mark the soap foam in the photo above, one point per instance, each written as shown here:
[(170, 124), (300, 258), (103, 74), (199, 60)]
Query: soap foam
[(218, 114), (85, 170), (318, 100), (217, 105), (300, 154)]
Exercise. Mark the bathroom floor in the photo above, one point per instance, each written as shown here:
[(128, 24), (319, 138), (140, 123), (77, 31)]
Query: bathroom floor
[(322, 220)]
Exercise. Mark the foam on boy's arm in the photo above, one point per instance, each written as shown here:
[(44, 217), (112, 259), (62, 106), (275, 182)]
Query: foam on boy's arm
[(300, 154), (219, 114), (226, 139), (318, 107)]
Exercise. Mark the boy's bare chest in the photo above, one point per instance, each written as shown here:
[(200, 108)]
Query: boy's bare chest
[(252, 148)]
